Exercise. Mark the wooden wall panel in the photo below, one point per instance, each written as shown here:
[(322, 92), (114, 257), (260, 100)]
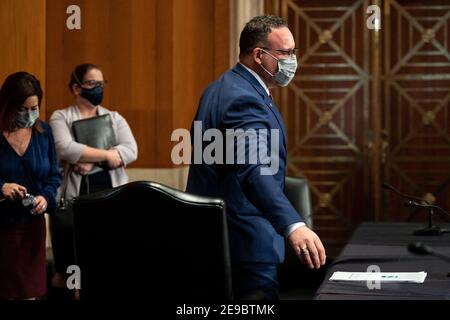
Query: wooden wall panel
[(118, 36), (222, 37), (158, 57), (22, 37)]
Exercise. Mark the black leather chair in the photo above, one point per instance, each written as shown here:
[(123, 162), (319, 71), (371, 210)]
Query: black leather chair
[(296, 280), (297, 191), (145, 240)]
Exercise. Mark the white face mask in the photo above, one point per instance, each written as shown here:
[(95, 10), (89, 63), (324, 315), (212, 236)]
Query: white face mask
[(286, 69), (26, 119)]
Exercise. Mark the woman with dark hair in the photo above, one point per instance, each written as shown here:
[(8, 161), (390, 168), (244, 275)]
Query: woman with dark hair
[(78, 159), (28, 172)]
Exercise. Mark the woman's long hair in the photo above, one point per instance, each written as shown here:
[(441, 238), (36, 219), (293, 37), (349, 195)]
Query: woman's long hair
[(16, 89)]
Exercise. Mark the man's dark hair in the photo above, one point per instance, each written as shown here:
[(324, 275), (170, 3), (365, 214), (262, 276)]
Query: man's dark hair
[(256, 31)]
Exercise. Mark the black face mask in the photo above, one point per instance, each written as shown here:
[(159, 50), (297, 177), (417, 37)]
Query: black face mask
[(93, 95)]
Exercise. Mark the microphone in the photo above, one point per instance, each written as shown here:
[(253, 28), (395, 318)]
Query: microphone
[(403, 195), (420, 249), (413, 204), (431, 230)]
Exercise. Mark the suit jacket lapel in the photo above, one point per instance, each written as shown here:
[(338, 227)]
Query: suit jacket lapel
[(268, 100), (274, 109)]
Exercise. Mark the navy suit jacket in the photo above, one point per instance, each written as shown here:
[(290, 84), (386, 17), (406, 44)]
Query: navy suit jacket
[(257, 209)]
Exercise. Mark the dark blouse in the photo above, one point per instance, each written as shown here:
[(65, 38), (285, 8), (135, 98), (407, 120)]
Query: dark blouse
[(37, 170)]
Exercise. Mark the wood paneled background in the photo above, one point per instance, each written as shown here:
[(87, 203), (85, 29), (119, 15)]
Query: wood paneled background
[(157, 55), (22, 38)]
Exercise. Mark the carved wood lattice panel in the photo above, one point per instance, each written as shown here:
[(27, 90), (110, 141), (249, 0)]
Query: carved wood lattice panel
[(416, 102), (329, 107)]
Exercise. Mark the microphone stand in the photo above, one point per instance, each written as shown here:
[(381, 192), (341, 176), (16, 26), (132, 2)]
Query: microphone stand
[(431, 229), (403, 195)]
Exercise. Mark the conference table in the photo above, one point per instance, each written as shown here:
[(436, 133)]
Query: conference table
[(385, 246)]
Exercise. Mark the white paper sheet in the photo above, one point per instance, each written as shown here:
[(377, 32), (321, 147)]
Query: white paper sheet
[(415, 277)]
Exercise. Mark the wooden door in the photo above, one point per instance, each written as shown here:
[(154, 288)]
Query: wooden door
[(416, 85), (367, 107)]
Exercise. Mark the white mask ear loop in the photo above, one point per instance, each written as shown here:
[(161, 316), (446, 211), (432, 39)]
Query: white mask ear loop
[(272, 75)]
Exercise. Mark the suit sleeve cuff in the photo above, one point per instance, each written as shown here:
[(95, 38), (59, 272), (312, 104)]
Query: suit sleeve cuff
[(291, 228)]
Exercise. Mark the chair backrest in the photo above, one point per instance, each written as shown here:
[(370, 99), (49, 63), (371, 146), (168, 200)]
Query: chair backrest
[(144, 240), (291, 273), (297, 191)]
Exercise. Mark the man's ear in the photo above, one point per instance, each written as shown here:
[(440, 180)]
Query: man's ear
[(256, 55)]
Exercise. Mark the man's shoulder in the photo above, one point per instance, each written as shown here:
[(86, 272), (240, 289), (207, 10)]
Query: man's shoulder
[(232, 84)]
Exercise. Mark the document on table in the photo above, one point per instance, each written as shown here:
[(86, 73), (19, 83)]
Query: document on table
[(414, 277)]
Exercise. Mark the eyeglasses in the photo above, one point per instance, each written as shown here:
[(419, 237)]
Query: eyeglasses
[(284, 52), (95, 83)]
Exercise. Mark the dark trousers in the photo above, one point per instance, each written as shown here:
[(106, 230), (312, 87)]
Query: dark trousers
[(255, 281)]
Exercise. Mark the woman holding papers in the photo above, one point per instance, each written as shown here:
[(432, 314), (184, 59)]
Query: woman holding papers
[(79, 159)]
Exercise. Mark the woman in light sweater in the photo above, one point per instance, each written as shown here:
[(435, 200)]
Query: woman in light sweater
[(86, 84)]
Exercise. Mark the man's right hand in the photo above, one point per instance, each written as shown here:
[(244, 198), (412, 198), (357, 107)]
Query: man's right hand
[(13, 191), (308, 247)]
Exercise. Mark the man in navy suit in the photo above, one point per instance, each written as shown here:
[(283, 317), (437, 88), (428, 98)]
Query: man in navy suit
[(259, 214)]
